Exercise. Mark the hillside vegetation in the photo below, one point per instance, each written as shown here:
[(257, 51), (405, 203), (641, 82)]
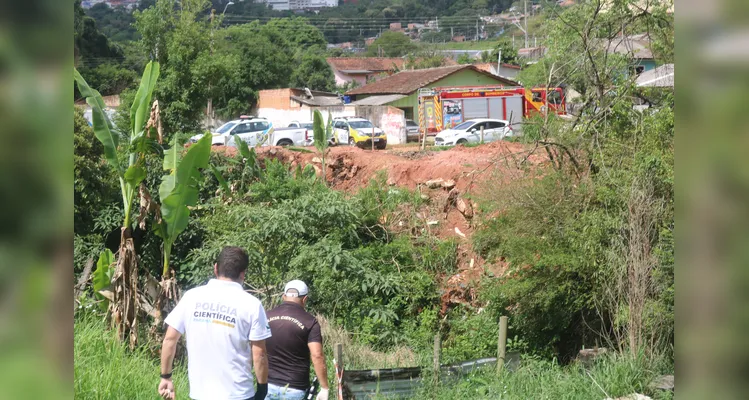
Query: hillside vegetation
[(572, 235)]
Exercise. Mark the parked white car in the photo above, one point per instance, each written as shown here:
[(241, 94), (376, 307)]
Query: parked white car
[(252, 130), (470, 132)]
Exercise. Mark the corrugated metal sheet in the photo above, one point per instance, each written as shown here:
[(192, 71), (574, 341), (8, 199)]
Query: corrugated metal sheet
[(378, 100), (475, 108)]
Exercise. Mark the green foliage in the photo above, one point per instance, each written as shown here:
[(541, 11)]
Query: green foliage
[(227, 65), (465, 59), (102, 277), (610, 377), (472, 336), (109, 78), (436, 36), (115, 22), (89, 43), (106, 368), (391, 44), (105, 132), (321, 134), (94, 186), (179, 191), (313, 72), (424, 58), (277, 183), (509, 53)]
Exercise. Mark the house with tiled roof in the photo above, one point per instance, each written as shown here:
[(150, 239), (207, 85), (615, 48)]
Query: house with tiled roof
[(362, 69), (400, 90)]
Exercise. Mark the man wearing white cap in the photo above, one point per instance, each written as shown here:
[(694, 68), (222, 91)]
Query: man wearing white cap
[(296, 340)]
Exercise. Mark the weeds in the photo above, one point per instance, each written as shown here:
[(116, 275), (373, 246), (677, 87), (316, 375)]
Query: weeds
[(106, 369)]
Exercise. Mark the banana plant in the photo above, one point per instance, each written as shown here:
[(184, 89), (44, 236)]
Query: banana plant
[(322, 134), (132, 174), (123, 309), (179, 191)]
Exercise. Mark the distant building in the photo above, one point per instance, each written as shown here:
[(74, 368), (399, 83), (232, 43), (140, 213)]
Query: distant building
[(282, 106), (293, 5), (369, 41), (637, 48), (395, 26), (662, 77), (505, 70), (361, 69), (401, 90)]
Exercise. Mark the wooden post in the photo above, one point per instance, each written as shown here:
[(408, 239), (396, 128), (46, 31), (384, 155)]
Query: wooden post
[(501, 343), (373, 135), (436, 358), (338, 357), (482, 134)]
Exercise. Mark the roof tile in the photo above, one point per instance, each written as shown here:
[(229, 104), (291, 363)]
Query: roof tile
[(406, 82)]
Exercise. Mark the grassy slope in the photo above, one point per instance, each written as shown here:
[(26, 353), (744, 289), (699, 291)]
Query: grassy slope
[(105, 369), (614, 377)]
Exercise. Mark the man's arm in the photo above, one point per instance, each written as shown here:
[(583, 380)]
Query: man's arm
[(260, 361), (318, 361), (168, 350)]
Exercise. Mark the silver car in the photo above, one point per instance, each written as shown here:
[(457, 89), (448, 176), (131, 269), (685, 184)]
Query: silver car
[(412, 130)]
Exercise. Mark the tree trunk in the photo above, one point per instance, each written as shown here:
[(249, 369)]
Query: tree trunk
[(124, 307)]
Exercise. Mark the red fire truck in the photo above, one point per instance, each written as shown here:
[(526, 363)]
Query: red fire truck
[(444, 107)]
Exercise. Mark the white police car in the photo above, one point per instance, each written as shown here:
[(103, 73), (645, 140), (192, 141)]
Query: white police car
[(252, 130)]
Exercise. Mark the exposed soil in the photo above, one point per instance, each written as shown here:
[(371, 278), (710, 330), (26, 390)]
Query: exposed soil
[(471, 168), (351, 168)]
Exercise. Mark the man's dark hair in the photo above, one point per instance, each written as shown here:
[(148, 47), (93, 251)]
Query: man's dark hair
[(232, 262)]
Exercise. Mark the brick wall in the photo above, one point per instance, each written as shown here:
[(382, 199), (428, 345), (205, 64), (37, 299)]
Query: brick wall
[(278, 99)]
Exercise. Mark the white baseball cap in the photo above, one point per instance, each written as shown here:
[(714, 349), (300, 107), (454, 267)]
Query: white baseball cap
[(297, 285)]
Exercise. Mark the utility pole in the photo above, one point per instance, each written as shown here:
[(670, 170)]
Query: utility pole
[(499, 61), (209, 107), (525, 21), (477, 30)]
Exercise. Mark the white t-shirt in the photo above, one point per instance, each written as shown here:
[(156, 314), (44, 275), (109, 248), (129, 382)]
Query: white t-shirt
[(219, 320)]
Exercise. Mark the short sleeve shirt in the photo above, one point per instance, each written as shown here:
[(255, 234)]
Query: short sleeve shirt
[(219, 320), (288, 351)]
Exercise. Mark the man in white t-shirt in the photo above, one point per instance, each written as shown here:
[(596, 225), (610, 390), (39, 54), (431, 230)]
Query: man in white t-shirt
[(225, 329)]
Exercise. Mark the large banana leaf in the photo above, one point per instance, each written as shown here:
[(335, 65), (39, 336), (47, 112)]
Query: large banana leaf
[(141, 108), (102, 277), (179, 190), (244, 150), (103, 128), (318, 128), (221, 181)]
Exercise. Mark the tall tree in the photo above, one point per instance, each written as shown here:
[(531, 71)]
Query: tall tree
[(391, 44), (313, 72)]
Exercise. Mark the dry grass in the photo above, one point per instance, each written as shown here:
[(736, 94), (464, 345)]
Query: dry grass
[(359, 356)]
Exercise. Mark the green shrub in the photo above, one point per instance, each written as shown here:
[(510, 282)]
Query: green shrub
[(94, 183)]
